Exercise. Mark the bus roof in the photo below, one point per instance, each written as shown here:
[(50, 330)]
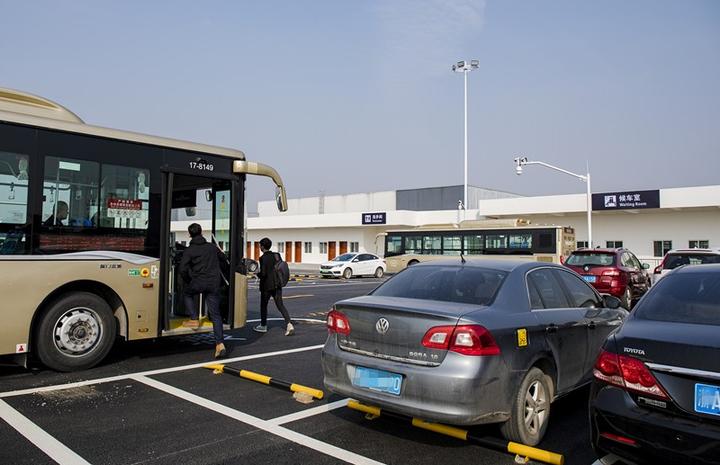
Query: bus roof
[(32, 110)]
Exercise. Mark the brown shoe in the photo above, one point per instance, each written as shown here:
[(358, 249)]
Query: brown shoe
[(220, 351), (192, 324)]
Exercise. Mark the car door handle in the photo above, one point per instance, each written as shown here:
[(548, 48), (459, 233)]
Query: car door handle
[(552, 328), (591, 325)]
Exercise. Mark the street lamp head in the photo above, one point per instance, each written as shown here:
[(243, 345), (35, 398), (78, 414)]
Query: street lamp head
[(475, 63), (519, 162)]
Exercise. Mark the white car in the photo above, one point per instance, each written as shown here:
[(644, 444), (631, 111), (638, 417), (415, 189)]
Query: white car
[(348, 265), (676, 258)]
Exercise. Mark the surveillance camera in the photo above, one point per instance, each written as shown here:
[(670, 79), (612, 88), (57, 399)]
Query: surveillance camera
[(518, 170), (461, 64)]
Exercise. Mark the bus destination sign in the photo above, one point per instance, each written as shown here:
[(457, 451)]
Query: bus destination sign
[(374, 218), (628, 200)]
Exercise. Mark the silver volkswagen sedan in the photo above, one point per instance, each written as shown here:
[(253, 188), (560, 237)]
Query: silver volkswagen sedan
[(464, 343)]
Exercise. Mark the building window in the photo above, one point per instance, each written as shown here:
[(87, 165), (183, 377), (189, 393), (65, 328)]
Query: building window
[(308, 247), (660, 248), (354, 247), (613, 244), (281, 247), (699, 244), (582, 244), (323, 247)]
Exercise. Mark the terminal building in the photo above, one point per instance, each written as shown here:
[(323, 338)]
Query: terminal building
[(648, 222)]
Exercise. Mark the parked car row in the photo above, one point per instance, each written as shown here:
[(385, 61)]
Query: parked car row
[(489, 341)]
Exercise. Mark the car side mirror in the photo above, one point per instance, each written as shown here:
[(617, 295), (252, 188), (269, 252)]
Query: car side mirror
[(610, 301), (355, 260), (645, 266)]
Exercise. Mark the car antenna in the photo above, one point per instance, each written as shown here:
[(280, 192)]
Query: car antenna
[(462, 259)]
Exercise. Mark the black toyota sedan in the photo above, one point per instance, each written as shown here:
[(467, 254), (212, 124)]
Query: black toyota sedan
[(656, 393), (487, 341)]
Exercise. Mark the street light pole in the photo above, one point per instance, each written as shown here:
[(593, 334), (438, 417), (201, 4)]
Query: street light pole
[(465, 67), (522, 161)]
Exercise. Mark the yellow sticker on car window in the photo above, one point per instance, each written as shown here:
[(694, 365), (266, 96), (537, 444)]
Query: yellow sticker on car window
[(522, 337)]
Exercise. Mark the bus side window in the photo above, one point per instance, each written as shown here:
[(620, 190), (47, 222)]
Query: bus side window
[(124, 195), (69, 192)]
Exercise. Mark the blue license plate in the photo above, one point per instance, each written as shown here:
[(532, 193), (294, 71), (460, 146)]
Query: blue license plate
[(377, 380), (590, 279), (707, 399)]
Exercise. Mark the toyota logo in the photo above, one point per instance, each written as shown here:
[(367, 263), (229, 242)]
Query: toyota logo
[(382, 326)]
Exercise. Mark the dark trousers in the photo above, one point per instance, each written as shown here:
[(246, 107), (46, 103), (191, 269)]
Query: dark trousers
[(212, 303), (276, 294)]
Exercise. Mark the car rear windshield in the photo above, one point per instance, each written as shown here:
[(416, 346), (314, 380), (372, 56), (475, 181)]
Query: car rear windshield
[(468, 285), (591, 259), (683, 298), (672, 261)]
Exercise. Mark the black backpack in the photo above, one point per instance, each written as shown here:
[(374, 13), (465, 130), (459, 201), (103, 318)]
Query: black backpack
[(281, 271)]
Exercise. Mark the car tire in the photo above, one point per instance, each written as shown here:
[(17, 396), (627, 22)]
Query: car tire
[(76, 332), (412, 262), (379, 272), (531, 405), (627, 299), (347, 273)]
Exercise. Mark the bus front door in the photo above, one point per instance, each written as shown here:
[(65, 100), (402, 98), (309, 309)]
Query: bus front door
[(208, 202)]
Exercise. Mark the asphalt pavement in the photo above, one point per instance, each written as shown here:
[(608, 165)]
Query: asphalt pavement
[(152, 402)]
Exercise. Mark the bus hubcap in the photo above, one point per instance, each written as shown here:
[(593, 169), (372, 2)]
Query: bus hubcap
[(77, 331)]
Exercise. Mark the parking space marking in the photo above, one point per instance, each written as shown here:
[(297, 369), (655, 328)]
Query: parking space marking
[(609, 459), (297, 296), (339, 284), (311, 412), (54, 449), (307, 441), (58, 387)]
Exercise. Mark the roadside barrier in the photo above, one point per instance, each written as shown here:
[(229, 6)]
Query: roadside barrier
[(252, 376), (458, 433)]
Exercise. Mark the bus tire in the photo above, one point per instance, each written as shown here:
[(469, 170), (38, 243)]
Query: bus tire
[(76, 332)]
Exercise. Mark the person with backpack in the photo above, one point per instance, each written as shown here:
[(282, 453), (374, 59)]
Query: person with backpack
[(273, 274)]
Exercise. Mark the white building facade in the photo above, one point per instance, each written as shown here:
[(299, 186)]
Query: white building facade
[(315, 229)]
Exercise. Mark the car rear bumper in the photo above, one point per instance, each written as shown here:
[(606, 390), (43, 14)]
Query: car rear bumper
[(462, 390), (659, 437)]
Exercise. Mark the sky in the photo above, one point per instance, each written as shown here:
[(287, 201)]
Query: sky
[(348, 96)]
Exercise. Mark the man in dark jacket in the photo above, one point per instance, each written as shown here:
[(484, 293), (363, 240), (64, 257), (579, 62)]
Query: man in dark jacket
[(200, 270), (270, 287)]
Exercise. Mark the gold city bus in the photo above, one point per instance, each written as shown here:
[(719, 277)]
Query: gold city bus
[(511, 238), (87, 245)]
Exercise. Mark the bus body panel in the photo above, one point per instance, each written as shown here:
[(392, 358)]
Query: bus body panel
[(32, 281)]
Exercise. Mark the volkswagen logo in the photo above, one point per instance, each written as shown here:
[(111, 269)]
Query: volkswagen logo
[(382, 326)]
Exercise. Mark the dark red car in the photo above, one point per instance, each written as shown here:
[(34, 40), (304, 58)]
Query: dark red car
[(612, 271)]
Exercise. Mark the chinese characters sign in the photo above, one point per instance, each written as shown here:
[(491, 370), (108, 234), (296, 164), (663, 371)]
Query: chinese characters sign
[(374, 218), (626, 200), (123, 208)]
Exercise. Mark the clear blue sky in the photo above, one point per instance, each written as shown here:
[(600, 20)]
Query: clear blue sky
[(353, 96)]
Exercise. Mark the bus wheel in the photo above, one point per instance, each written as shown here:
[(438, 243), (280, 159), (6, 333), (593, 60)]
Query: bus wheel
[(412, 262), (76, 332)]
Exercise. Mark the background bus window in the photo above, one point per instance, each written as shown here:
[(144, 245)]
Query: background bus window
[(432, 245), (413, 245), (124, 195), (394, 245), (520, 241), (70, 192), (13, 188), (452, 245), (473, 244), (496, 241)]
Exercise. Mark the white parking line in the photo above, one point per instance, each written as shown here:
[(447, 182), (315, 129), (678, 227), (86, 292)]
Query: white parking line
[(57, 387), (54, 449), (325, 448), (609, 459), (311, 412), (341, 284)]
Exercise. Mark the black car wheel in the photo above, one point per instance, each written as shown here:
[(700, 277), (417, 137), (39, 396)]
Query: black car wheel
[(76, 332), (627, 299), (531, 409)]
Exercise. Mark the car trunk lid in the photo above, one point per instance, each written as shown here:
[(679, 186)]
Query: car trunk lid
[(399, 337)]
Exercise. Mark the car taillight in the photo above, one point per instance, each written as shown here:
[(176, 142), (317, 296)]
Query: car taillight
[(338, 323), (464, 339), (611, 273), (658, 269), (628, 373)]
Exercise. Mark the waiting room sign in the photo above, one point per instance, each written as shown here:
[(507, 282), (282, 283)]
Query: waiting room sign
[(626, 200)]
